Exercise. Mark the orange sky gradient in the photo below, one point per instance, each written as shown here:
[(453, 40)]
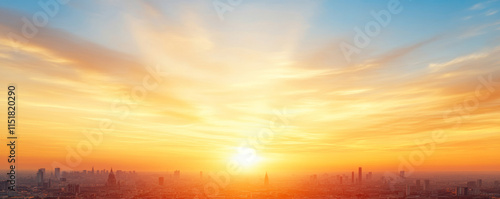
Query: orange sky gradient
[(224, 81)]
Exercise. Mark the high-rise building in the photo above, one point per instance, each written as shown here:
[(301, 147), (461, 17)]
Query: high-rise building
[(479, 183), (402, 174), (39, 177), (160, 181), (352, 178), (417, 182), (266, 180), (340, 179), (73, 188), (111, 179), (92, 170), (408, 189), (57, 172), (360, 175), (462, 191), (427, 185)]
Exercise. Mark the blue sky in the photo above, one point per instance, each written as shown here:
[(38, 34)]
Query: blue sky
[(326, 20)]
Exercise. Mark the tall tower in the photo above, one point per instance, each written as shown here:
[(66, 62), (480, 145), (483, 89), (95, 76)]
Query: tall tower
[(352, 178), (92, 170), (266, 180), (57, 172), (39, 177), (111, 179), (360, 175)]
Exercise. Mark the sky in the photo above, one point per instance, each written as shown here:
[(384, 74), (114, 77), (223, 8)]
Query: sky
[(180, 85)]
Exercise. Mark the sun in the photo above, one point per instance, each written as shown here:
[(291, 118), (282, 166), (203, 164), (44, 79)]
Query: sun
[(246, 157)]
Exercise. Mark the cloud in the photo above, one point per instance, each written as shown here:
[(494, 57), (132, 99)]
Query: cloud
[(490, 12), (477, 6)]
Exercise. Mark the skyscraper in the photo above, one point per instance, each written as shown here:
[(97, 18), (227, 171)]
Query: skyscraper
[(39, 177), (360, 175), (479, 183), (462, 191), (352, 178), (266, 180), (92, 170), (57, 172)]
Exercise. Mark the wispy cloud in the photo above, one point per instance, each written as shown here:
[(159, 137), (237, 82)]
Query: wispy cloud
[(490, 12)]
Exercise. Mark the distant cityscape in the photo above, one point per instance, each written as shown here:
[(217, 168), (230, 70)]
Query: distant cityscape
[(94, 184)]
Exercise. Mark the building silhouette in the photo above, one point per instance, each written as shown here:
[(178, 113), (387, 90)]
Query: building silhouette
[(39, 177), (111, 179), (57, 172), (266, 180), (360, 175), (73, 188)]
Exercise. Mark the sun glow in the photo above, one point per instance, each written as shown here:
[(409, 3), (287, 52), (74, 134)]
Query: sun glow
[(246, 158)]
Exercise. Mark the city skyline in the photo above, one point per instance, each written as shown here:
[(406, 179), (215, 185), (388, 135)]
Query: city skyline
[(129, 184)]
